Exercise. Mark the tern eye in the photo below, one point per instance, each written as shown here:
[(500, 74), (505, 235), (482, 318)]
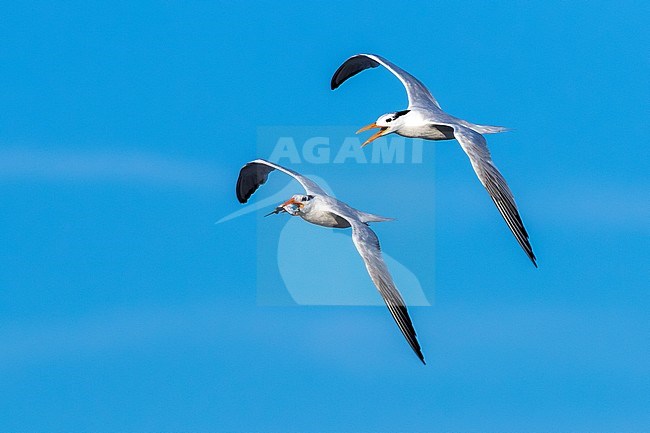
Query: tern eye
[(389, 120), (304, 199)]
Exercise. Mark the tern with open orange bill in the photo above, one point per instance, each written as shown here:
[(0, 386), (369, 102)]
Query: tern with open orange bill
[(423, 118)]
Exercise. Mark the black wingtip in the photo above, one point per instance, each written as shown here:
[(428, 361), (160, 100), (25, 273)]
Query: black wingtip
[(241, 195), (418, 352), (531, 255), (333, 84), (351, 67)]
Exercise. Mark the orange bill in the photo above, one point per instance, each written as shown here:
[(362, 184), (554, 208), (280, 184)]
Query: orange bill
[(382, 131), (367, 127), (292, 201)]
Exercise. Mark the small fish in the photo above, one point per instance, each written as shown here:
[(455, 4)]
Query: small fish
[(276, 211)]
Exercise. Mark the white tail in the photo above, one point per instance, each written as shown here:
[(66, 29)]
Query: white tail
[(372, 218), (488, 129)]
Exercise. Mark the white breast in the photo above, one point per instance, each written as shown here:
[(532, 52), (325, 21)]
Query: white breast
[(417, 125), (325, 219), (320, 212)]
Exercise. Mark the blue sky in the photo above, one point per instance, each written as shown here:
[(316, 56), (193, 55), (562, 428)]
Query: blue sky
[(124, 307)]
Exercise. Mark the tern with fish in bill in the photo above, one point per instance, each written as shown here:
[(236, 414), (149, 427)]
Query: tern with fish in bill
[(317, 207)]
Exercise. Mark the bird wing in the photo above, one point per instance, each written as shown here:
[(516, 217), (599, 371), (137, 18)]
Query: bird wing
[(476, 148), (367, 244), (418, 94), (255, 173)]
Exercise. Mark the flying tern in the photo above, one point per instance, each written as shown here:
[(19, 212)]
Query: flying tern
[(423, 118), (317, 207)]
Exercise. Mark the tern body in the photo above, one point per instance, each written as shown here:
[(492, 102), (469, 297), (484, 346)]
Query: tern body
[(317, 207), (425, 119)]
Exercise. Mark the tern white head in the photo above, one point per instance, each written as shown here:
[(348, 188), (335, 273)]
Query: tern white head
[(387, 124), (317, 207), (424, 118)]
